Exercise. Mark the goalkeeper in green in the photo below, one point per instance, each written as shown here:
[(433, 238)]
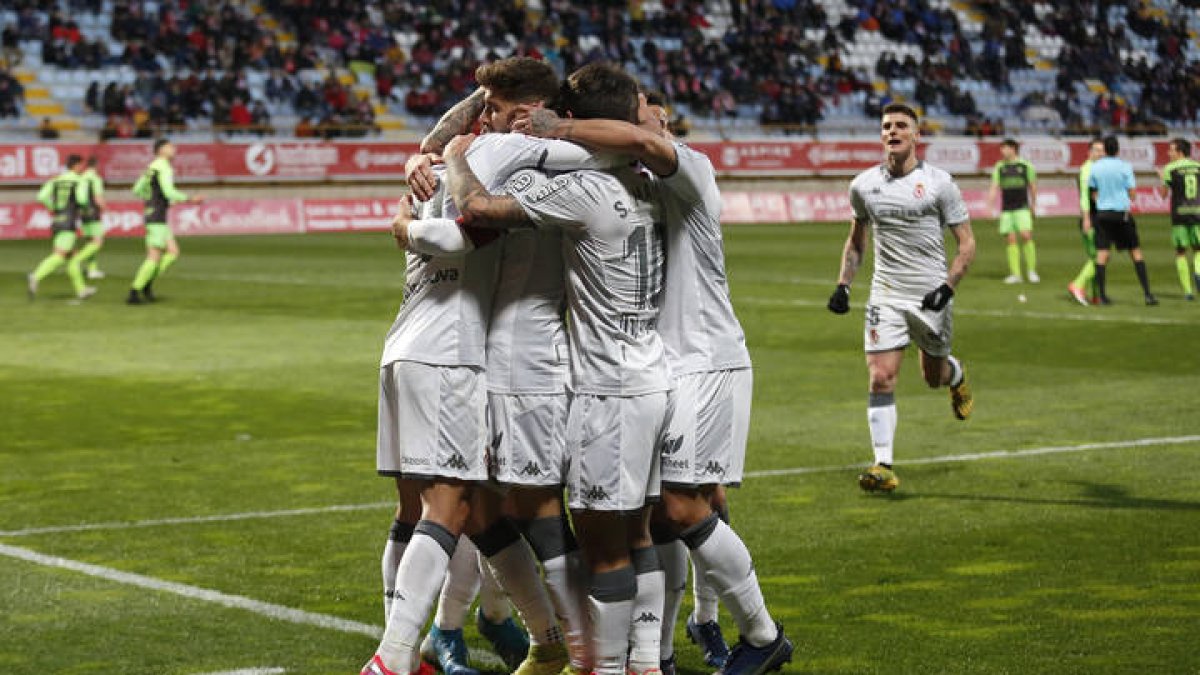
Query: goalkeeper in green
[(156, 187), (64, 199)]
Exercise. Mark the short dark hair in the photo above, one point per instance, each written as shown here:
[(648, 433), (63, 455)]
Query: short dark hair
[(600, 91), (1183, 146), (520, 79), (92, 161), (903, 110), (655, 98), (73, 160), (1111, 146), (1012, 143), (159, 143)]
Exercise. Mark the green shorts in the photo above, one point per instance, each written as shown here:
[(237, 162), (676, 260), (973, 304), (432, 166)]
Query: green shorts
[(64, 241), (158, 235), (1012, 222), (93, 229), (1185, 236)]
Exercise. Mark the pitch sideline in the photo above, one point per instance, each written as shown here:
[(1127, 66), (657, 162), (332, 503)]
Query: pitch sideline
[(764, 473)]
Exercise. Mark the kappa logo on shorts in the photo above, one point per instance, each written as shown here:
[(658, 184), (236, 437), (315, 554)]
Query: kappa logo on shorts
[(671, 446), (646, 617), (455, 462), (593, 493), (531, 469), (714, 468)]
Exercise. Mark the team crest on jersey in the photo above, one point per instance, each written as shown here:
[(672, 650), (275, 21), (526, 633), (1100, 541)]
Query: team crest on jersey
[(520, 182), (919, 190)]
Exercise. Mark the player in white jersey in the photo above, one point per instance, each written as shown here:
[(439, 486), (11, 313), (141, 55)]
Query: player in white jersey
[(527, 359), (432, 427), (618, 371), (708, 418), (908, 205)]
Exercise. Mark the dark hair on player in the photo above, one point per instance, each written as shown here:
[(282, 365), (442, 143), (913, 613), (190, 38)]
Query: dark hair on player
[(655, 98), (1111, 146), (1012, 143), (1183, 146), (600, 91), (902, 109), (520, 79), (73, 161), (92, 161), (159, 143)]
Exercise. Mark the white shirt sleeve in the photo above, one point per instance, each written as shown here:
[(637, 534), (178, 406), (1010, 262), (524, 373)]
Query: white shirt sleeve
[(693, 174), (438, 237), (951, 205), (857, 205)]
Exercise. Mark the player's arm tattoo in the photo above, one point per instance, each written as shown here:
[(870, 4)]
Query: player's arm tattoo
[(852, 254), (965, 255), (457, 120), (479, 207)]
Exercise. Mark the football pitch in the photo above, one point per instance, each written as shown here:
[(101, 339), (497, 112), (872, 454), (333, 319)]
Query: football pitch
[(189, 487)]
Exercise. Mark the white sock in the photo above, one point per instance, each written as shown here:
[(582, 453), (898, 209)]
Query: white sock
[(645, 633), (956, 371), (673, 557), (516, 569), (459, 588), (418, 581), (566, 581), (610, 606), (706, 604), (726, 563), (493, 601), (398, 538), (881, 418)]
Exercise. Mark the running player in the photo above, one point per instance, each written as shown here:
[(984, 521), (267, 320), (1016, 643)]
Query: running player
[(1083, 287), (907, 204), (63, 198), (1016, 181), (91, 223), (1181, 178), (156, 186), (708, 419), (619, 379), (1112, 183)]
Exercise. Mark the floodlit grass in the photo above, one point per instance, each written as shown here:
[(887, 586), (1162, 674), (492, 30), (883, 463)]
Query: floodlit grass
[(251, 387)]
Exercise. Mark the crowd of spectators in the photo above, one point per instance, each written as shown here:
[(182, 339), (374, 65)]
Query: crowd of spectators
[(11, 95), (781, 60)]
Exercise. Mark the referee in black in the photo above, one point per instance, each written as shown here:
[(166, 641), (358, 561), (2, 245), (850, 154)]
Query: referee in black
[(1111, 185)]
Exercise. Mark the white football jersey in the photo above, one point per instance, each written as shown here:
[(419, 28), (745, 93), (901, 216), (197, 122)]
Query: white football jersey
[(699, 329), (447, 300), (908, 216), (442, 320), (613, 257)]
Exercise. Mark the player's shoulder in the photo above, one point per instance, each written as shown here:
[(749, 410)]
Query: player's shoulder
[(867, 177), (935, 173)]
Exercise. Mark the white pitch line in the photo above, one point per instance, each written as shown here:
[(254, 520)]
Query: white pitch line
[(995, 454), (251, 671), (267, 609), (273, 611), (1098, 315), (220, 518)]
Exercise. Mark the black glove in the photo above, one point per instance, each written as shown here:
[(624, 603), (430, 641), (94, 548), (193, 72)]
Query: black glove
[(839, 302), (937, 298)]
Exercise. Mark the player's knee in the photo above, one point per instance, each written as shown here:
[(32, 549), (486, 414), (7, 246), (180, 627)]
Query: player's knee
[(682, 509), (883, 381)]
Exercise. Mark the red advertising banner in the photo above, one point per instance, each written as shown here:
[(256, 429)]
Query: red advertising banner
[(294, 216)]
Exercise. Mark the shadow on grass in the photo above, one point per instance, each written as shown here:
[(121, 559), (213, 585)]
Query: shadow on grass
[(1094, 495)]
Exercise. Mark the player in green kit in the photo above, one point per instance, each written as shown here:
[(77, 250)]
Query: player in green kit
[(1078, 288), (92, 187), (1182, 179), (1016, 180), (62, 197), (156, 186)]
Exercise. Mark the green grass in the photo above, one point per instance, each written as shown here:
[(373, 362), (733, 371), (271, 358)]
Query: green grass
[(251, 387)]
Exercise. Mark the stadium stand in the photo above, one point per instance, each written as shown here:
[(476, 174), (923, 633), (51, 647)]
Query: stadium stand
[(121, 68)]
